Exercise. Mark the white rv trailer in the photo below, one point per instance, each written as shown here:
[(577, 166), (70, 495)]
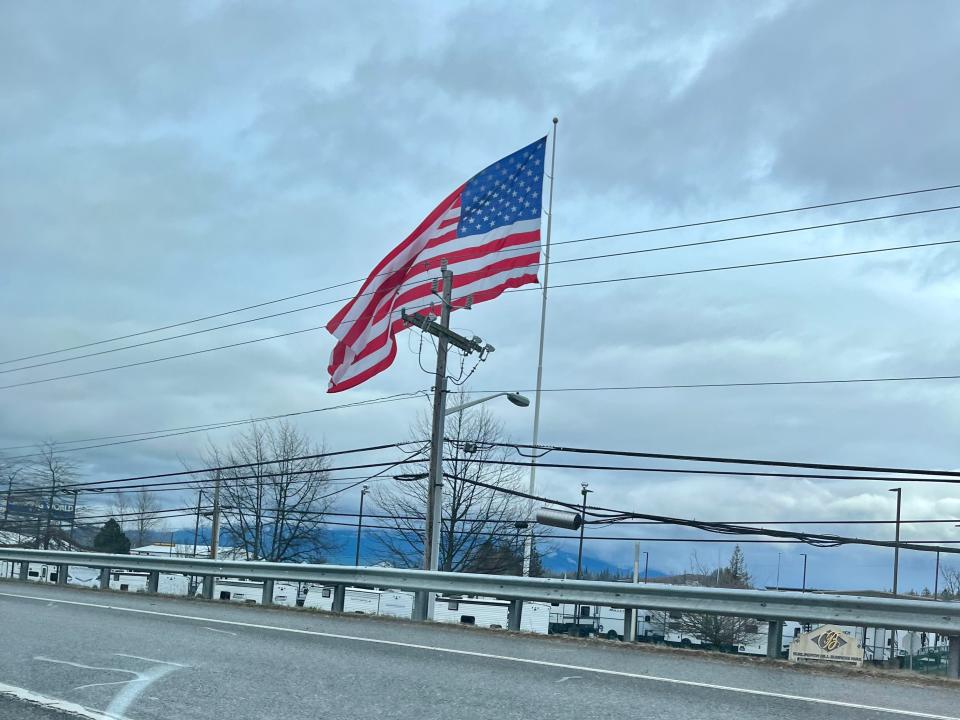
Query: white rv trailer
[(363, 601), (491, 612)]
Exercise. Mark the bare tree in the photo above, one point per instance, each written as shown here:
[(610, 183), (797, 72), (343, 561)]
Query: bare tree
[(951, 582), (146, 508), (50, 472), (123, 509), (274, 507), (11, 473), (716, 630), (477, 526)]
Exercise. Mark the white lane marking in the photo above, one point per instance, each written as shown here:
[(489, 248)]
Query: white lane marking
[(570, 677), (104, 684), (506, 658), (41, 658), (225, 632), (55, 703), (123, 699), (146, 659)]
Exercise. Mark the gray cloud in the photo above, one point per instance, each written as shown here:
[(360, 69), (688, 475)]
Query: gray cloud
[(164, 162)]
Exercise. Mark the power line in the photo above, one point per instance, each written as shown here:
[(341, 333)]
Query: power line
[(558, 286), (762, 383), (712, 473), (552, 262), (189, 429), (239, 466), (814, 539), (731, 460)]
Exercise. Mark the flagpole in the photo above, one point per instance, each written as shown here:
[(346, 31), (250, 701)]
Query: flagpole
[(528, 545)]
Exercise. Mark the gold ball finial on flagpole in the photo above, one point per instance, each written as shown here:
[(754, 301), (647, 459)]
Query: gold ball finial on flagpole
[(556, 120)]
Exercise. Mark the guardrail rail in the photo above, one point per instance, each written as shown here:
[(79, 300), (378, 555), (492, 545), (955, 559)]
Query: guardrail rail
[(938, 616)]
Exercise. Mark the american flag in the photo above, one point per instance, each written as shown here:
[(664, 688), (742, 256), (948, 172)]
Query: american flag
[(488, 231)]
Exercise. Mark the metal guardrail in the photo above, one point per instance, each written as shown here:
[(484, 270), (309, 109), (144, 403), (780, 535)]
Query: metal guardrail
[(904, 614)]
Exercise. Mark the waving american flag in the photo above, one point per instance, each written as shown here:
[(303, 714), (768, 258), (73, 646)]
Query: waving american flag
[(488, 231)]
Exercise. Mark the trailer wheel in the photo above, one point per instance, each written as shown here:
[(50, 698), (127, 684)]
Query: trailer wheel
[(613, 635)]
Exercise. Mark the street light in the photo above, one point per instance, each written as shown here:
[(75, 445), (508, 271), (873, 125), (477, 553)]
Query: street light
[(646, 565), (803, 587), (583, 491), (896, 542), (516, 398), (363, 494)]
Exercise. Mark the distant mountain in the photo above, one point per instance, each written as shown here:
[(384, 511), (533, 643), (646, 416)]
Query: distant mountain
[(564, 561), (556, 561)]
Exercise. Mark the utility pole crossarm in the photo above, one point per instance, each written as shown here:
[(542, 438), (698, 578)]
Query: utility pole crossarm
[(427, 325)]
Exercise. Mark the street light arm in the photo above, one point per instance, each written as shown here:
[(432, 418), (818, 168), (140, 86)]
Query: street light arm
[(515, 398)]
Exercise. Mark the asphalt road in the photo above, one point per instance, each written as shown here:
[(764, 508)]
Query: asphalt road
[(145, 657)]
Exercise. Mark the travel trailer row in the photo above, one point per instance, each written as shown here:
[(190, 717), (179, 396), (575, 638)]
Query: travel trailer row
[(878, 644), (481, 612)]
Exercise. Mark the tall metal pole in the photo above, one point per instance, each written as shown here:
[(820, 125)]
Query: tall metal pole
[(583, 525), (196, 527), (215, 530), (646, 566), (896, 542), (803, 588), (363, 494), (779, 557), (936, 577), (528, 545)]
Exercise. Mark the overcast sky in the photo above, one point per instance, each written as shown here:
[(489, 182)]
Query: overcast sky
[(163, 161)]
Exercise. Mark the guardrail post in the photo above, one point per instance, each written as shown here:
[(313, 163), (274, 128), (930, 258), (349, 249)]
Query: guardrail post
[(153, 581), (207, 590), (268, 592), (514, 613), (24, 571), (774, 639), (953, 659), (630, 625), (421, 601), (339, 593), (104, 578), (62, 571)]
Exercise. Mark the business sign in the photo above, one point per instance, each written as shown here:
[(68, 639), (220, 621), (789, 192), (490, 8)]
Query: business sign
[(37, 508), (827, 643)]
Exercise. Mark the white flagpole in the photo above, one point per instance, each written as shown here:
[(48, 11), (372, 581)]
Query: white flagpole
[(528, 546)]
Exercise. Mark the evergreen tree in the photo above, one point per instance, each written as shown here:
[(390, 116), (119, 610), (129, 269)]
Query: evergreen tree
[(111, 539)]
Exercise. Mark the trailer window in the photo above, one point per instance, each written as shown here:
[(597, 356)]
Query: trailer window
[(584, 611), (224, 594), (453, 605), (468, 620), (326, 592)]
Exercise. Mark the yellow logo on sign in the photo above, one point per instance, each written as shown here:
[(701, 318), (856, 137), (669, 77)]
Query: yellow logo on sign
[(829, 641)]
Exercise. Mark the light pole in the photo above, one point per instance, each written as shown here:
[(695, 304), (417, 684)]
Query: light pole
[(516, 398), (803, 588), (363, 494), (583, 491), (936, 577), (779, 557), (896, 542), (646, 566)]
